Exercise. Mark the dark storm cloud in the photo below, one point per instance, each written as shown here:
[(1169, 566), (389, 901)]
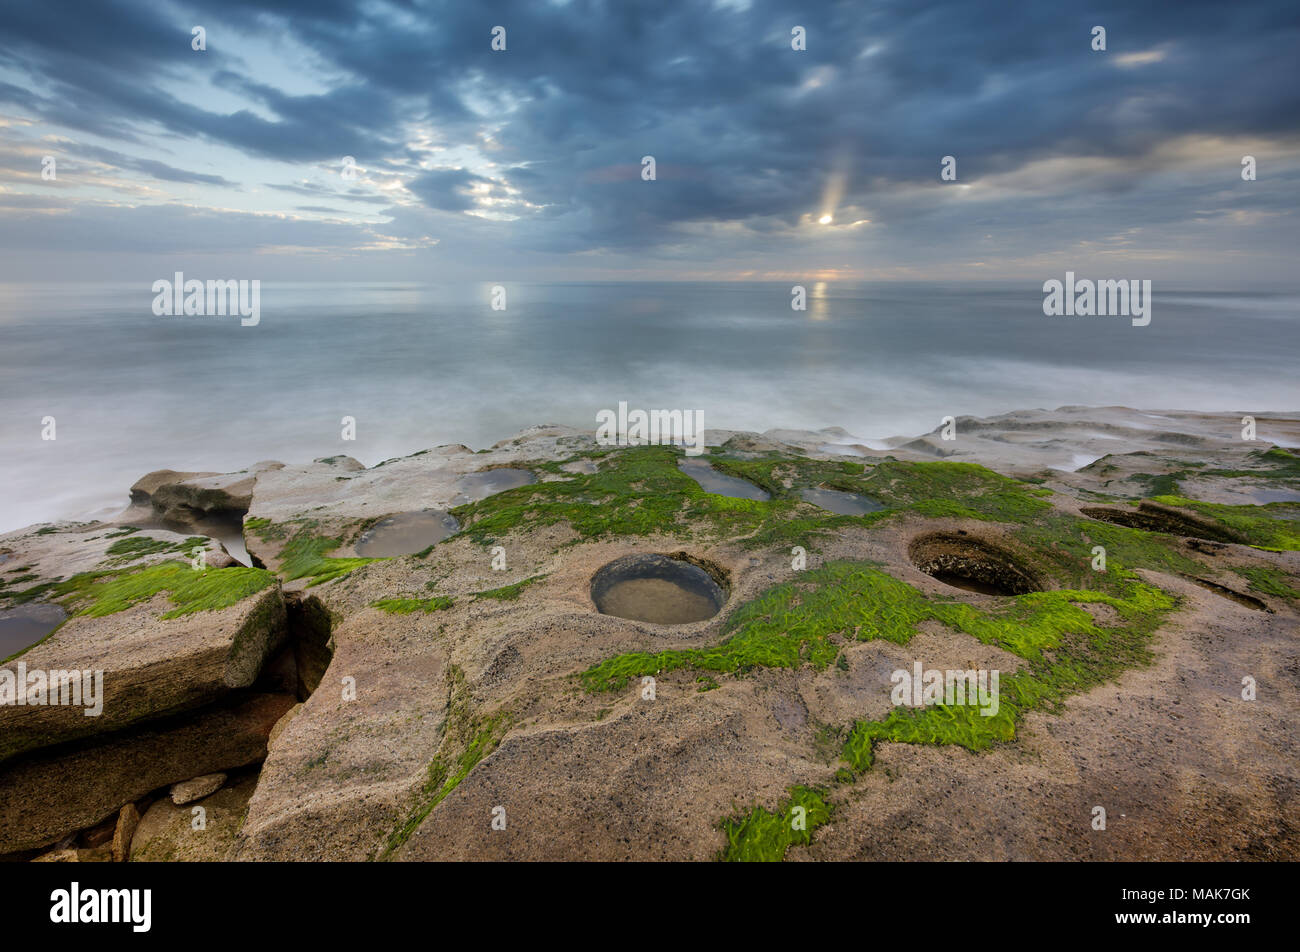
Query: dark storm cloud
[(745, 131)]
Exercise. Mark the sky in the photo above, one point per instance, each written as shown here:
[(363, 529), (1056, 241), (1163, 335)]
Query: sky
[(771, 162)]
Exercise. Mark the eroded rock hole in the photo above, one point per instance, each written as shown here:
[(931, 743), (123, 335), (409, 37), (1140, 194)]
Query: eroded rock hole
[(1154, 517), (972, 564), (189, 507), (661, 589)]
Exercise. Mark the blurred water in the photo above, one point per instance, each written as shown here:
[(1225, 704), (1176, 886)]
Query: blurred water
[(421, 365)]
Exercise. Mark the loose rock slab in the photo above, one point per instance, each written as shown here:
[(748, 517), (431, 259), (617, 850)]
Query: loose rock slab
[(187, 791)]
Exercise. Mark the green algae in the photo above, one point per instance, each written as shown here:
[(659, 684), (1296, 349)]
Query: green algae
[(509, 593), (969, 488), (304, 553), (259, 526), (770, 472), (304, 556), (407, 606), (960, 724), (1274, 463), (96, 594), (132, 548), (805, 621), (26, 595), (639, 491), (1253, 523), (1269, 581), (763, 836), (1125, 546), (1163, 484)]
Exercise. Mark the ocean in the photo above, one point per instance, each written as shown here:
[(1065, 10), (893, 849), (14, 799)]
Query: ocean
[(418, 365)]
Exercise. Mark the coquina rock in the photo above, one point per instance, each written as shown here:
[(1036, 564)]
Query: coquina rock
[(471, 700), (468, 702), (192, 498)]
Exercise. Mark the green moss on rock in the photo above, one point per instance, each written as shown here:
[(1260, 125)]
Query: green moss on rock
[(1256, 524), (96, 594), (132, 548), (1269, 581), (509, 593), (641, 490), (763, 836), (304, 556), (407, 606)]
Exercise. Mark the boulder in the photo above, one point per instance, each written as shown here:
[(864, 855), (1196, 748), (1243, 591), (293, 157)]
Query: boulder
[(144, 488), (45, 796), (187, 498)]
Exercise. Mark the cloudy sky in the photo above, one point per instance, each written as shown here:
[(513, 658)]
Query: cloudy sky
[(525, 164)]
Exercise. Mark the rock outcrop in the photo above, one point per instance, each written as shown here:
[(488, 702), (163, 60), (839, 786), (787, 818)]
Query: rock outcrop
[(135, 656), (469, 700)]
